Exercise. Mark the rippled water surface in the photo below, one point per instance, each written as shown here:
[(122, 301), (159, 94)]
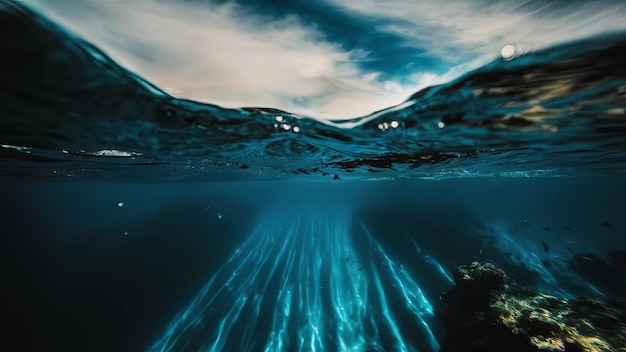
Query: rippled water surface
[(554, 111)]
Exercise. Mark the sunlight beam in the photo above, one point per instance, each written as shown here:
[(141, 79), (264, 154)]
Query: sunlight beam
[(306, 269)]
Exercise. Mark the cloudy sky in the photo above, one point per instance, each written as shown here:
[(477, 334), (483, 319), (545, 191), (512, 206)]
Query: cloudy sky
[(327, 58)]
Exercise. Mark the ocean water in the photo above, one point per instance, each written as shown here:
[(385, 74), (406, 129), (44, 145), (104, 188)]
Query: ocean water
[(136, 221)]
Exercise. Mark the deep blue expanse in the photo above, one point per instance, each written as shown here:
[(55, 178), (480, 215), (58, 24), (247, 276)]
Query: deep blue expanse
[(84, 273), (136, 221)]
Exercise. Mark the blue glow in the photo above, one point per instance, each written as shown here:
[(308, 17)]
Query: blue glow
[(300, 283), (439, 268), (533, 262), (411, 292)]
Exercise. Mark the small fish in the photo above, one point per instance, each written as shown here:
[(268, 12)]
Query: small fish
[(545, 228), (607, 224), (360, 269), (347, 259), (546, 263), (569, 228), (546, 248)]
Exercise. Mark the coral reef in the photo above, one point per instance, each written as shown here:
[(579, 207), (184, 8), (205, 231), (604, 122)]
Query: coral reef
[(486, 311)]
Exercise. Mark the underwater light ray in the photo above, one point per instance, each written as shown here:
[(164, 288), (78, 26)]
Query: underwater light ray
[(275, 264), (308, 270), (399, 344), (348, 289), (413, 296), (533, 262), (430, 260), (245, 287), (179, 323), (242, 288), (309, 298), (256, 249), (278, 338)]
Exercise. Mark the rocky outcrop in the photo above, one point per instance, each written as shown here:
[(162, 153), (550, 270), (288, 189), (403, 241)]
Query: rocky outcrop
[(486, 311)]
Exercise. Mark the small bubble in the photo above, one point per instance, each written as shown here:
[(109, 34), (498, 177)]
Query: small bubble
[(380, 126), (125, 233), (394, 124), (441, 124), (508, 52), (220, 216), (120, 204), (279, 118), (296, 129)]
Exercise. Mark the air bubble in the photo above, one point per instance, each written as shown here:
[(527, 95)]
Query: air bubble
[(508, 52)]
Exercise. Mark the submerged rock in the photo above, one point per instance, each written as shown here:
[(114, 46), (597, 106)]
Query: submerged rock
[(486, 311)]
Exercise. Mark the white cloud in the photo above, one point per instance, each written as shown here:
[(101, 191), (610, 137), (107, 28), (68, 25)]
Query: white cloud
[(482, 28), (469, 34), (213, 54)]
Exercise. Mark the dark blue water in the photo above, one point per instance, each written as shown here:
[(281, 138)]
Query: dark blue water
[(134, 221)]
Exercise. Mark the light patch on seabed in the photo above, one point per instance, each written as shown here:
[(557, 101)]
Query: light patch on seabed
[(533, 262), (299, 283)]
